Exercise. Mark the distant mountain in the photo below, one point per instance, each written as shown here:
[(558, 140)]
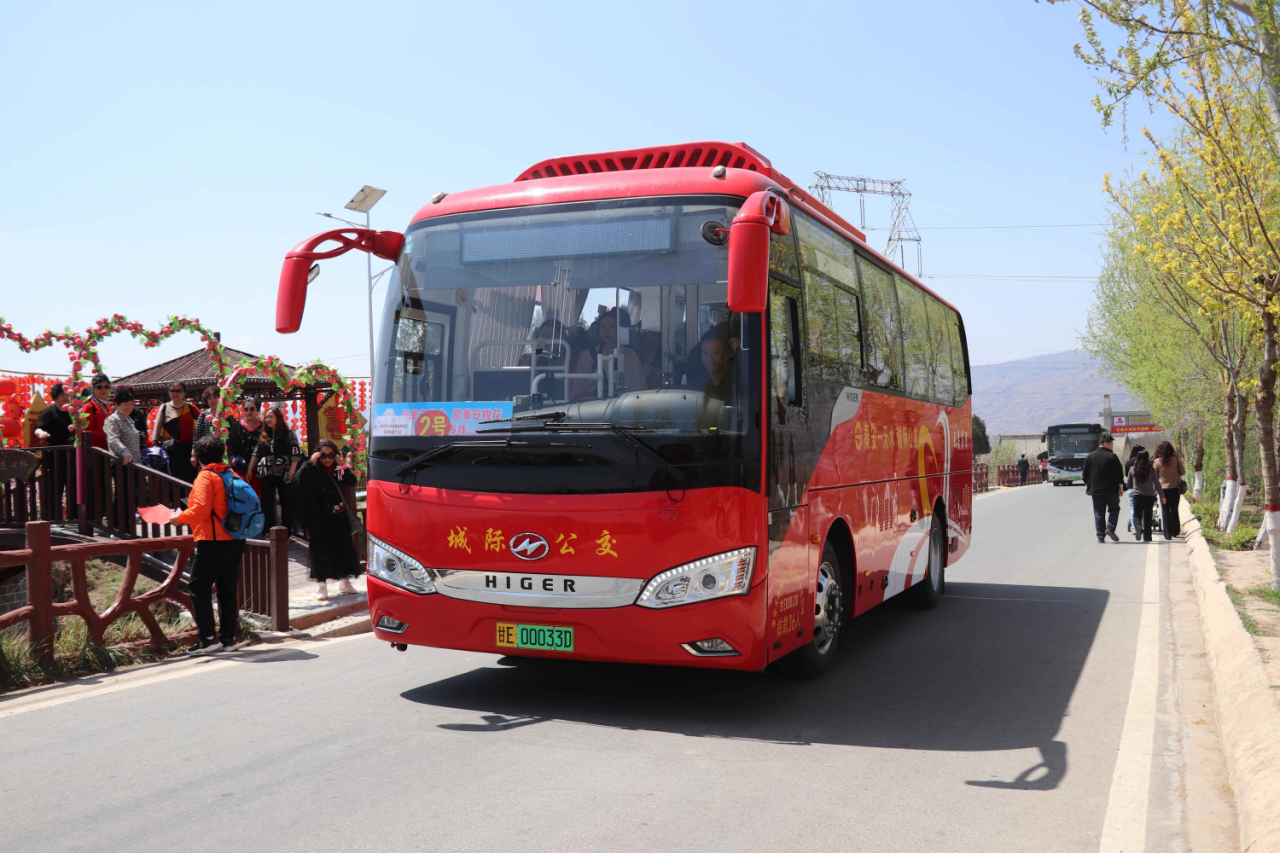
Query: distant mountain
[(1026, 395)]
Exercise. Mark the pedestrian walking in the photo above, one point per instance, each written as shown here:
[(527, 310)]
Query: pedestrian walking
[(217, 559), (1044, 469), (1023, 467), (1170, 471), (1144, 490), (175, 431), (324, 495), (54, 429), (276, 458), (98, 410), (1104, 482)]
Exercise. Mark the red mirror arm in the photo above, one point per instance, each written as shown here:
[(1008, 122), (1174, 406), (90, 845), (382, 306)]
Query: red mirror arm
[(766, 208), (291, 297)]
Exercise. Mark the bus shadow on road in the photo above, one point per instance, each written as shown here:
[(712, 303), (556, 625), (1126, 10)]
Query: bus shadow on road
[(992, 668)]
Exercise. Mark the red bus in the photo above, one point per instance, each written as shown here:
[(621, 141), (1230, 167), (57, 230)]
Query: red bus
[(658, 406)]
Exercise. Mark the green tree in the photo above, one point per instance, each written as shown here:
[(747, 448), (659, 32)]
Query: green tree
[(981, 443)]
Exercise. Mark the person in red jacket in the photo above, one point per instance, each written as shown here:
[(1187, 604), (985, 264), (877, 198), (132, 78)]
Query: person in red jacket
[(217, 558), (98, 409)]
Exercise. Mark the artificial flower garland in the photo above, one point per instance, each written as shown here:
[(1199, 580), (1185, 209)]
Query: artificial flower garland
[(83, 348)]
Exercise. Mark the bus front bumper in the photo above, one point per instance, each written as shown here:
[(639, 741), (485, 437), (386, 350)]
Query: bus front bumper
[(629, 634)]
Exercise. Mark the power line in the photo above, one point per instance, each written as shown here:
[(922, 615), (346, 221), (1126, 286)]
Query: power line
[(1003, 156), (995, 227), (1063, 279)]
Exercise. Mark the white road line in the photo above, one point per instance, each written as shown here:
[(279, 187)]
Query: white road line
[(1124, 829), (74, 691)]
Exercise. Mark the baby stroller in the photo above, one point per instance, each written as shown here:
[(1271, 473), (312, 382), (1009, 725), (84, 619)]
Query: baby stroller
[(1157, 517)]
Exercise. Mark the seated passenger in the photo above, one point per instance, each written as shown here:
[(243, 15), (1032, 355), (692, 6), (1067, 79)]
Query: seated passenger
[(604, 341)]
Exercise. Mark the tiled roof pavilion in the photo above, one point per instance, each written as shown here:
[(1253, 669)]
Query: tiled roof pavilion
[(196, 371)]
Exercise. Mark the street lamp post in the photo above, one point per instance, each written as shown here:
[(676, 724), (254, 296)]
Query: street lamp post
[(363, 202)]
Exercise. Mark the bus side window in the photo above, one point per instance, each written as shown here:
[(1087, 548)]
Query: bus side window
[(915, 338), (784, 347), (881, 334), (831, 310), (959, 358), (782, 255), (939, 353)]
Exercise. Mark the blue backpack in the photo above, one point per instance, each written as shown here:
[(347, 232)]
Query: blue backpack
[(244, 511)]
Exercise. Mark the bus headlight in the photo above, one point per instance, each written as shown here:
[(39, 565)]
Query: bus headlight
[(711, 577), (398, 568)]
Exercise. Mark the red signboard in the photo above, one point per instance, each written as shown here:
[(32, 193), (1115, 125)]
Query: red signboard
[(1120, 429)]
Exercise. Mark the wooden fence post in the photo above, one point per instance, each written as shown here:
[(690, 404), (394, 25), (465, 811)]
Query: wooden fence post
[(40, 590), (279, 578)]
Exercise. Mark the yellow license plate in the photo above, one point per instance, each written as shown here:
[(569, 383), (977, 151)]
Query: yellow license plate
[(545, 637)]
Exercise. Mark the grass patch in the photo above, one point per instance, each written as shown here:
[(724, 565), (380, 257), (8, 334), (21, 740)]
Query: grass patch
[(1267, 594), (1240, 540), (1250, 624)]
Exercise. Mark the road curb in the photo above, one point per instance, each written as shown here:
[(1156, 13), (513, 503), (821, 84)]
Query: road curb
[(1248, 713)]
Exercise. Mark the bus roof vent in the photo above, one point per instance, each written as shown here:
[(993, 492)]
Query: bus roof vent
[(733, 155)]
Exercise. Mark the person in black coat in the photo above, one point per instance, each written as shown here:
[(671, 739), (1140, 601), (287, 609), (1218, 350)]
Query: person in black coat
[(1023, 467), (1104, 481), (324, 493)]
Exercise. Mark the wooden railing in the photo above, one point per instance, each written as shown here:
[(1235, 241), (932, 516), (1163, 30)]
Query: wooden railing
[(264, 578), (51, 496), (41, 610), (263, 586), (114, 491), (981, 479)]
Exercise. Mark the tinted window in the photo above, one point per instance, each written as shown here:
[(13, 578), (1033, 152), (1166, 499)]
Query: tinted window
[(880, 335), (915, 338), (784, 346), (831, 309), (939, 352), (782, 255)]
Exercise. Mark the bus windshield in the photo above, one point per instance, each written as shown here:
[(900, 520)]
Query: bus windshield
[(536, 324), (1068, 445)]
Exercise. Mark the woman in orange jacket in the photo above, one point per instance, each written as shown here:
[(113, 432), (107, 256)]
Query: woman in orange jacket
[(217, 557)]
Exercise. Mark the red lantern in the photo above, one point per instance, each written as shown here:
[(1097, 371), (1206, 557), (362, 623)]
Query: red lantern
[(8, 387), (10, 427)]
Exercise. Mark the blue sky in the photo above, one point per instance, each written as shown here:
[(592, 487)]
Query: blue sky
[(162, 158)]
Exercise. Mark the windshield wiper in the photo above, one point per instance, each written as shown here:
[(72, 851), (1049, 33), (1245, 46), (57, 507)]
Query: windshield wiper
[(554, 416), (625, 432), (425, 458)]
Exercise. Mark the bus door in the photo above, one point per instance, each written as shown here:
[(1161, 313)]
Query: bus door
[(791, 561)]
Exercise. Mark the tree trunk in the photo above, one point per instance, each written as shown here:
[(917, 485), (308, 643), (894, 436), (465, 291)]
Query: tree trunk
[(1228, 497), (1198, 463), (1238, 440), (1265, 404)]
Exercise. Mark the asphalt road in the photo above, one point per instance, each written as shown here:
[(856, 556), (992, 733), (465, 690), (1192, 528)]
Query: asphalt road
[(995, 722)]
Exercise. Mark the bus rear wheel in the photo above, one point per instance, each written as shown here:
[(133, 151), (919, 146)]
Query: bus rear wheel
[(815, 657), (928, 593)]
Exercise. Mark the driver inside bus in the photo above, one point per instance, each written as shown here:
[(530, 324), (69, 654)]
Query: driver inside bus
[(717, 357), (604, 342), (549, 345)]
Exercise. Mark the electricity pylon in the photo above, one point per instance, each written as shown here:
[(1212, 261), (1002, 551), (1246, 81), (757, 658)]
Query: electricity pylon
[(902, 228)]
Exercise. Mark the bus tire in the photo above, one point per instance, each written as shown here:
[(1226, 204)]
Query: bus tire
[(815, 657), (928, 593)]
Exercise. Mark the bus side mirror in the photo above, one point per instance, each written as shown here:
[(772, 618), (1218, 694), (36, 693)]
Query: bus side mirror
[(300, 268), (762, 215)]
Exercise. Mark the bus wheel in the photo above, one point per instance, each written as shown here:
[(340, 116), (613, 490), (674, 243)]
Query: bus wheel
[(815, 657), (930, 590)]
